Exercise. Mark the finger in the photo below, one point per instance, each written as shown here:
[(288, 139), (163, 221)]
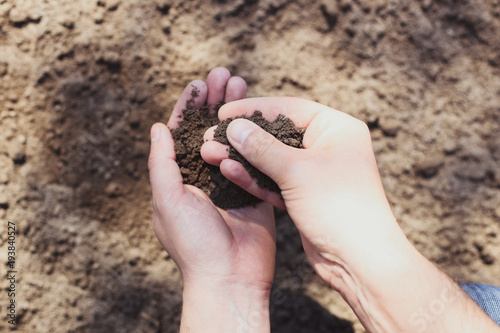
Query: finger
[(199, 97), (209, 134), (236, 172), (261, 149), (300, 111), (164, 173), (236, 89), (214, 152), (217, 81)]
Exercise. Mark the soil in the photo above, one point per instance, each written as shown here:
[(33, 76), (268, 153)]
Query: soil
[(195, 171), (81, 83), (282, 128)]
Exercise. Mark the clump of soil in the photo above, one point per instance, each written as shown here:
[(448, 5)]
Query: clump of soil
[(281, 128), (195, 171)]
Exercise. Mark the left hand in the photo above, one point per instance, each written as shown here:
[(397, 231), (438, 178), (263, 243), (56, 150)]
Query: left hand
[(228, 256)]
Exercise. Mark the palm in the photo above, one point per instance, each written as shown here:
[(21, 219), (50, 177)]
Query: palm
[(239, 243), (207, 242)]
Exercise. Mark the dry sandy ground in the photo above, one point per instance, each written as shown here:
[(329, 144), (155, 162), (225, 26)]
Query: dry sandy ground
[(82, 81)]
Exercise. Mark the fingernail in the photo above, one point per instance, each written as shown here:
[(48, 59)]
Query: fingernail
[(240, 130), (155, 132)]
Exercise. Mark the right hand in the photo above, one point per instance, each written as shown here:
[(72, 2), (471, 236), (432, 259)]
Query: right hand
[(331, 188), (333, 193)]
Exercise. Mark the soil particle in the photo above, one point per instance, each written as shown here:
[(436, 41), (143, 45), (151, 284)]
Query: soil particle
[(429, 167), (4, 201), (19, 158), (3, 68), (113, 190), (330, 10)]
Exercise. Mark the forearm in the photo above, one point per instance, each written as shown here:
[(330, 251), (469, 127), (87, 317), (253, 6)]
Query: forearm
[(225, 309), (407, 294)]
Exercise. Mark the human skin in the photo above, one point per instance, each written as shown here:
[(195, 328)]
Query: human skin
[(333, 192), (226, 258)]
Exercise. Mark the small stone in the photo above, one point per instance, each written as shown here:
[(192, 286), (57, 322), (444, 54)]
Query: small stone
[(98, 17), (68, 24), (429, 167), (134, 118), (163, 6), (112, 60), (113, 4), (450, 147), (346, 4), (330, 10), (135, 256), (18, 16), (19, 158), (21, 139), (4, 201), (4, 177), (390, 127), (113, 190), (487, 259), (3, 68)]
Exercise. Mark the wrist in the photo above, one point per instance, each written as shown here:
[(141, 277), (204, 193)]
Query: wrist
[(396, 289), (225, 307)]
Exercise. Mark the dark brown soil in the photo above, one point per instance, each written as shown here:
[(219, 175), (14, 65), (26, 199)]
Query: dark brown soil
[(281, 128), (195, 171)]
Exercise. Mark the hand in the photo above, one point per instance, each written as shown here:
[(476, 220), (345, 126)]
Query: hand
[(333, 193), (226, 257), (331, 189)]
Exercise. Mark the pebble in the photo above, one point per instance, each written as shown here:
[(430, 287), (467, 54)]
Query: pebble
[(331, 10), (429, 167), (19, 158), (113, 190), (22, 139), (345, 4), (4, 177), (4, 200), (18, 16), (3, 68), (141, 148), (390, 127), (67, 23), (450, 146)]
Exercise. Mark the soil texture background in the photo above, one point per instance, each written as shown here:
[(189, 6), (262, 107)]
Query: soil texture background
[(81, 82)]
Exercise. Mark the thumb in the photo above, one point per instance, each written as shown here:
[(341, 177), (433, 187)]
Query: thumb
[(260, 148), (164, 173)]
